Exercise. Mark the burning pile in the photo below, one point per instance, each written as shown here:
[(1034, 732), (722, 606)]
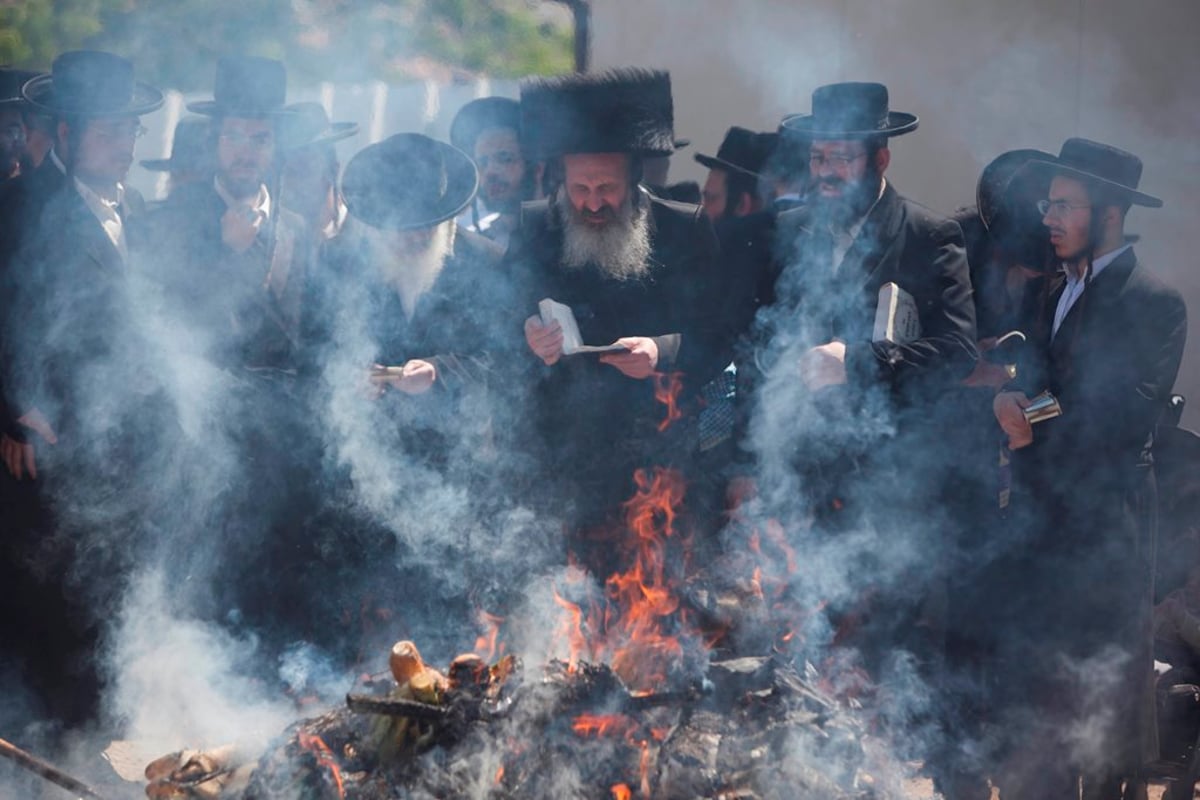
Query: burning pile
[(635, 710)]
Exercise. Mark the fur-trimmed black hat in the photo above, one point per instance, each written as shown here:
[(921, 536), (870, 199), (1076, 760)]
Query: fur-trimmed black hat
[(625, 110)]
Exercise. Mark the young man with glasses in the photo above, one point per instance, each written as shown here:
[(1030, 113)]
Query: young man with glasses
[(1107, 343)]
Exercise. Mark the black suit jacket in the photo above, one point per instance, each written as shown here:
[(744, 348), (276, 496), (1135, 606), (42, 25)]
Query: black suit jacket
[(1112, 366)]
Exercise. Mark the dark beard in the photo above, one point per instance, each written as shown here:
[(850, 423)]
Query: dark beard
[(856, 200)]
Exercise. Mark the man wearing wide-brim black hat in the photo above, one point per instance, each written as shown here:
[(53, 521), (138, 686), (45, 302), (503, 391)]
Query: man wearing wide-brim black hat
[(399, 328), (731, 188), (308, 182), (12, 121), (488, 129), (638, 272), (1108, 344), (828, 392), (190, 159), (78, 369), (235, 257)]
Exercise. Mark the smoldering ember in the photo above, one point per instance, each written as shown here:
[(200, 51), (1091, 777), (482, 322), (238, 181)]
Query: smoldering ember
[(425, 439)]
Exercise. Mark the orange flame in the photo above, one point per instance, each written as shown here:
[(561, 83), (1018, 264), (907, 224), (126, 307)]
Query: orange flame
[(485, 645), (615, 725), (644, 769), (500, 774), (667, 387), (635, 628), (324, 756), (621, 792)]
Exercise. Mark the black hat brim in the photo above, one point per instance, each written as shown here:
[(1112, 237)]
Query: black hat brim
[(462, 181), (1058, 168), (898, 123), (712, 162), (158, 164), (211, 108), (39, 93), (336, 133)]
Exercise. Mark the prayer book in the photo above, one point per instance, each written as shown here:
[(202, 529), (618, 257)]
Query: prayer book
[(896, 317), (552, 311)]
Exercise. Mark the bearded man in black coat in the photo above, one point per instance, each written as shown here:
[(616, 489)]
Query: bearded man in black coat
[(842, 415), (639, 273)]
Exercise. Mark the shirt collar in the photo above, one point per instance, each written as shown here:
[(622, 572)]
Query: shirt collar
[(259, 202), (1098, 263), (56, 161)]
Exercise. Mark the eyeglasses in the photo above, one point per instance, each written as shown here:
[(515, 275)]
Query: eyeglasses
[(120, 132), (501, 158), (259, 141), (1057, 208), (14, 133), (835, 160)]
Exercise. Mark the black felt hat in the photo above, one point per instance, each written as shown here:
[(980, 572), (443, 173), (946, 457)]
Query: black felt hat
[(618, 111), (742, 151), (189, 148), (90, 83), (246, 86), (307, 124), (1007, 190), (1111, 168), (851, 111), (408, 181), (11, 81), (480, 115)]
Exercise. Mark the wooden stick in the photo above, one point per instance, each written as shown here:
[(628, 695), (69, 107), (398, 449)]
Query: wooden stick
[(46, 771), (362, 704)]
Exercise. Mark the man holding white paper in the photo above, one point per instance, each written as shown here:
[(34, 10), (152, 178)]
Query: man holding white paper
[(625, 285)]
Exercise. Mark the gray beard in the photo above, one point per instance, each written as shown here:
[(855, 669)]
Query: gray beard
[(410, 272), (619, 250)]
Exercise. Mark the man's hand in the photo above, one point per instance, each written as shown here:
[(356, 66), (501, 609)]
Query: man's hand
[(415, 377), (639, 359), (1009, 410), (824, 366), (19, 457), (546, 341), (239, 228)]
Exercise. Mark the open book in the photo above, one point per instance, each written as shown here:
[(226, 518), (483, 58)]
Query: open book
[(896, 317), (552, 311)]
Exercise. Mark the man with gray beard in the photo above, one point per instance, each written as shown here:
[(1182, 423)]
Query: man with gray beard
[(638, 272)]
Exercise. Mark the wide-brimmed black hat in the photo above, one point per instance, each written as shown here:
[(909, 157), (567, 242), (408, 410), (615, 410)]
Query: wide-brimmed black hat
[(90, 83), (408, 181), (11, 81), (480, 115), (851, 111), (246, 86), (618, 111), (1111, 168), (1006, 189), (307, 124), (743, 151), (189, 148)]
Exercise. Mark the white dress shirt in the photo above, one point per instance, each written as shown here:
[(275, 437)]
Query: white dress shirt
[(1074, 287), (107, 213)]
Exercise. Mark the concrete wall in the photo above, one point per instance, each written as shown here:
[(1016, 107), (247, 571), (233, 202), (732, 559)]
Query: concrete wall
[(984, 75)]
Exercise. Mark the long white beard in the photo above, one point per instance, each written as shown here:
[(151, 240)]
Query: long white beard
[(619, 249), (411, 272)]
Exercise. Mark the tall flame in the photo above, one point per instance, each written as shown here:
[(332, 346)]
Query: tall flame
[(667, 387)]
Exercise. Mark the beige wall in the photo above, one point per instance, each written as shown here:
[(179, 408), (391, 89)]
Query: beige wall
[(984, 75)]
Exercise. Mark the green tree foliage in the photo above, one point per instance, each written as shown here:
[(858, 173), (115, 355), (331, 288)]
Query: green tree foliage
[(176, 42)]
